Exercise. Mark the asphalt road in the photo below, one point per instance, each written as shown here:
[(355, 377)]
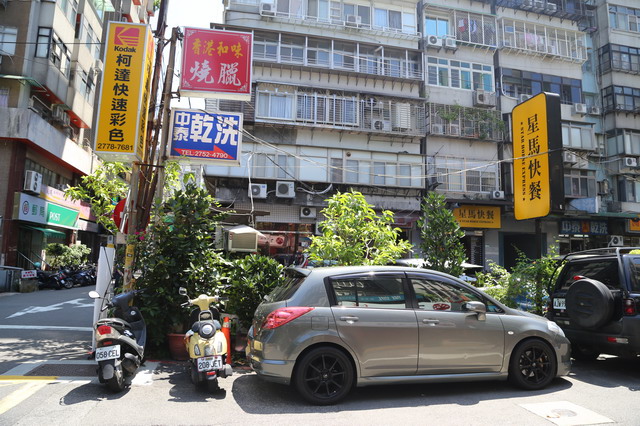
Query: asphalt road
[(601, 392)]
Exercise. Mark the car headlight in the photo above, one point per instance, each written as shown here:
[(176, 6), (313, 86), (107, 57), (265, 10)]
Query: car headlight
[(554, 328)]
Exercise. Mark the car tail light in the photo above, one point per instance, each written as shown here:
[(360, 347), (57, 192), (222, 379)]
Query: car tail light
[(578, 277), (629, 306), (284, 315), (622, 340), (104, 329)]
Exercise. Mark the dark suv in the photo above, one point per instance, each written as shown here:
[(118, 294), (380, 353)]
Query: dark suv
[(595, 301)]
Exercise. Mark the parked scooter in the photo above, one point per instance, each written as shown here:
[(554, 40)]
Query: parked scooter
[(205, 342), (120, 341), (53, 279)]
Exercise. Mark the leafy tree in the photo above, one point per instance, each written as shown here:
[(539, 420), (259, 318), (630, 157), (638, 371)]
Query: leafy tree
[(62, 255), (353, 234), (441, 236), (250, 278), (101, 189), (179, 250), (527, 281)]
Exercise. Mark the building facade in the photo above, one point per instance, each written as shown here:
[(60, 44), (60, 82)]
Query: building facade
[(396, 98)]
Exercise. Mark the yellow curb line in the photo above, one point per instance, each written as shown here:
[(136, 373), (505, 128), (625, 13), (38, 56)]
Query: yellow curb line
[(21, 378), (25, 391)]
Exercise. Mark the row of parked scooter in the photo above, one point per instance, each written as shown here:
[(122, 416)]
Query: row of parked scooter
[(122, 336), (67, 277)]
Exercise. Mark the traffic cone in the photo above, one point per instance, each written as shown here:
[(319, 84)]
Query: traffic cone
[(226, 330)]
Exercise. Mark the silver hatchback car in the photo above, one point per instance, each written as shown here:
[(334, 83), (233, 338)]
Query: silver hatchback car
[(327, 330)]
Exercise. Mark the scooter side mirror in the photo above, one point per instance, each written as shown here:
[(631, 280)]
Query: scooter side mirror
[(94, 294), (182, 291)]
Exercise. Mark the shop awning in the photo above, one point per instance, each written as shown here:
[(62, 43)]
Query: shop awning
[(30, 80), (48, 232)]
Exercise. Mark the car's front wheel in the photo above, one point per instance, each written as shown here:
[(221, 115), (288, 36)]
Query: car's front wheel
[(533, 365), (324, 376)]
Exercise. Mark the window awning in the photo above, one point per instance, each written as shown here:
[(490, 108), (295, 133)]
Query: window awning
[(48, 232), (30, 80)]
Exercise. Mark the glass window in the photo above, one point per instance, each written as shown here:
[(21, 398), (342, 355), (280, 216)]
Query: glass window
[(8, 38), (456, 74), (436, 295), (370, 291), (43, 41)]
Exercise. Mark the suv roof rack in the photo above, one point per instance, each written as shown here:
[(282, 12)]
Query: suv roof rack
[(600, 251)]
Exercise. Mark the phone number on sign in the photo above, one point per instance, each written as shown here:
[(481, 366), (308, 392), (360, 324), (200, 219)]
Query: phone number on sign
[(113, 147), (207, 154)]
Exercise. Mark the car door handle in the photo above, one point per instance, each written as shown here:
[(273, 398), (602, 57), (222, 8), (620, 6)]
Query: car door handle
[(431, 321), (348, 318)]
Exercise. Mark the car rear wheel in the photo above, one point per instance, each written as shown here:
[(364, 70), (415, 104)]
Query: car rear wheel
[(533, 365), (324, 376), (589, 303)]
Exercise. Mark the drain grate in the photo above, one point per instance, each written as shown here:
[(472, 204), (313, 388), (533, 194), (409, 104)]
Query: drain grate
[(64, 370)]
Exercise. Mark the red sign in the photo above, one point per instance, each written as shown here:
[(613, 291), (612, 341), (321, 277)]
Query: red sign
[(117, 214), (216, 64)]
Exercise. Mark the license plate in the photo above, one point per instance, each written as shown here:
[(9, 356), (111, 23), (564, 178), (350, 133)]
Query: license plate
[(559, 304), (209, 363), (107, 352)]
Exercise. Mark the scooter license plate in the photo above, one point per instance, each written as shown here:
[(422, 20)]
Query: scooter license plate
[(209, 363), (107, 352)]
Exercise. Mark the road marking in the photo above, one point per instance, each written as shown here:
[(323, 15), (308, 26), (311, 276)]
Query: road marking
[(80, 303), (24, 392), (565, 413), (21, 378), (44, 327)]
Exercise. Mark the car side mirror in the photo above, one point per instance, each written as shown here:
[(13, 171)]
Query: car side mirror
[(94, 294), (477, 307)]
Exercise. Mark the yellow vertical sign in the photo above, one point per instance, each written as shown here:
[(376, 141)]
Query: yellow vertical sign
[(532, 192), (124, 98)]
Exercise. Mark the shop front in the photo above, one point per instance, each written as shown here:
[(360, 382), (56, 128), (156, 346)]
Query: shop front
[(477, 221)]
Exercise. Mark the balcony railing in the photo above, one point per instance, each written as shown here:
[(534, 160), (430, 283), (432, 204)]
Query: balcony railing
[(464, 122), (360, 59), (574, 10)]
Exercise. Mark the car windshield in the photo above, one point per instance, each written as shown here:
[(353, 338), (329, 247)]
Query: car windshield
[(287, 289), (605, 271)]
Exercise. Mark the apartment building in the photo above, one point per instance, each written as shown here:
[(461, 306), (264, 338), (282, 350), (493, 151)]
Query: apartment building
[(50, 67), (398, 98)]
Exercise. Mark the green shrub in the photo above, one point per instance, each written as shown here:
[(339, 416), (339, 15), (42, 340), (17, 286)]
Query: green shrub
[(59, 255)]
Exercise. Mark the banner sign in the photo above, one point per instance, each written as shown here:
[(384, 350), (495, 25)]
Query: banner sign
[(590, 227), (216, 64), (537, 138), (478, 216), (34, 209), (214, 137), (124, 99)]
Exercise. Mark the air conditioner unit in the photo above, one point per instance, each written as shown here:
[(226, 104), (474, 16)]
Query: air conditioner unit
[(97, 65), (285, 189), (551, 8), (353, 20), (538, 5), (579, 109), (454, 130), (65, 119), (497, 195), (484, 98), (594, 110), (266, 9), (616, 241), (450, 43), (552, 50), (308, 212), (523, 97), (58, 113), (434, 41), (569, 157), (630, 162), (506, 43), (380, 125), (527, 4), (241, 239), (61, 186), (436, 129), (32, 182), (258, 190)]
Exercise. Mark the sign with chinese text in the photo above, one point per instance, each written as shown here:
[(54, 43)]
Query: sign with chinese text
[(124, 98), (585, 227), (34, 209), (29, 274), (216, 64), (537, 146), (215, 137), (633, 225), (478, 216)]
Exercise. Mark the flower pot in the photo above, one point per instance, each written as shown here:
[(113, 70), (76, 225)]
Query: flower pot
[(177, 347)]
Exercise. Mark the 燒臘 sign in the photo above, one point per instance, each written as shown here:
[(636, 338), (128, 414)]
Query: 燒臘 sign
[(124, 98), (215, 137), (216, 64)]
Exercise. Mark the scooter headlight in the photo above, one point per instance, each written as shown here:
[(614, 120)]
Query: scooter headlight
[(207, 330)]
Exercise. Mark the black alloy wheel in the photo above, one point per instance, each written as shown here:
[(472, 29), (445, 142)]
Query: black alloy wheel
[(324, 376), (533, 365)]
